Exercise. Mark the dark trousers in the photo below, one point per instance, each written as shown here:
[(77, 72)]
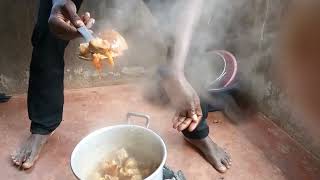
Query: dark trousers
[(45, 92)]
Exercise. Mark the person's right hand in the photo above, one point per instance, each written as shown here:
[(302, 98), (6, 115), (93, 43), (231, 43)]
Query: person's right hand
[(64, 20)]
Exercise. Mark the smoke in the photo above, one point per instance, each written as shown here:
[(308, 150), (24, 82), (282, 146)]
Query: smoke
[(197, 26)]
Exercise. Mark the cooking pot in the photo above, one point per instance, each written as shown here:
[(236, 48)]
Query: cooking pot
[(139, 141)]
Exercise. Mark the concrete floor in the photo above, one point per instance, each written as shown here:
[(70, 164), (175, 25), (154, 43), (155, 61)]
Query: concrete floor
[(259, 149)]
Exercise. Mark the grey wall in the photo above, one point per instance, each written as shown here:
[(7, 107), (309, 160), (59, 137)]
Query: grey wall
[(254, 39), (15, 45)]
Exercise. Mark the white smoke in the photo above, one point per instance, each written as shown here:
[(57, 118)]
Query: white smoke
[(196, 25)]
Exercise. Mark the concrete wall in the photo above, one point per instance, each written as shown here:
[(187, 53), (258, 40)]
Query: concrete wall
[(15, 45), (255, 39), (251, 36)]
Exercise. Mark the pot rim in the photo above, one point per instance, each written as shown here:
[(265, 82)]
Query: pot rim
[(101, 130)]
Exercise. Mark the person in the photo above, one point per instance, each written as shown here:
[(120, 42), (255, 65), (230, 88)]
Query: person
[(56, 25)]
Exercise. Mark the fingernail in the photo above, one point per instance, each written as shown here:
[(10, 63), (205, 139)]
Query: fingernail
[(195, 117), (88, 14), (79, 23), (93, 21)]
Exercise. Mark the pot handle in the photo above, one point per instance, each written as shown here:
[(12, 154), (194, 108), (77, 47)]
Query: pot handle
[(141, 115)]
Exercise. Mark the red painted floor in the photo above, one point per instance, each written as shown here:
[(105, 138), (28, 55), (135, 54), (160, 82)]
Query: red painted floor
[(260, 150)]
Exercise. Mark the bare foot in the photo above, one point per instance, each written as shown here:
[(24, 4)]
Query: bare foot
[(215, 155), (28, 153)]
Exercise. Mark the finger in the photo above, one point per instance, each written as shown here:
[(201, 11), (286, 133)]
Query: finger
[(195, 120), (82, 17), (199, 111), (90, 23), (175, 118), (196, 117), (181, 119), (62, 29), (180, 113), (185, 124), (86, 17), (193, 125), (71, 11)]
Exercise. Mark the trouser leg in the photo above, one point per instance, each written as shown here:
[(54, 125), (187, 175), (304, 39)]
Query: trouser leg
[(45, 92), (202, 130)]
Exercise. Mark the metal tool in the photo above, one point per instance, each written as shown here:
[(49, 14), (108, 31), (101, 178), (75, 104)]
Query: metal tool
[(86, 34)]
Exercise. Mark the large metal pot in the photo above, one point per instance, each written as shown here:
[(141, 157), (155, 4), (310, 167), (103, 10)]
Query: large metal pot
[(138, 140)]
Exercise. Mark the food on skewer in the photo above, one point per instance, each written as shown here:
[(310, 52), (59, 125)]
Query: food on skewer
[(110, 45)]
